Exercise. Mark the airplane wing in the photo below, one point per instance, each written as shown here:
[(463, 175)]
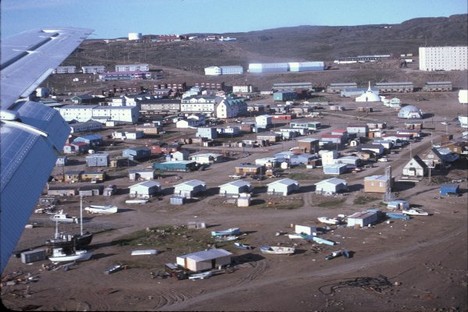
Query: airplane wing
[(32, 134)]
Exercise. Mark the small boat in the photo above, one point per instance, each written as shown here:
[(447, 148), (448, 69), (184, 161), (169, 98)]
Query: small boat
[(202, 275), (415, 212), (334, 254), (58, 255), (106, 209), (397, 215), (63, 217), (277, 250), (115, 268), (144, 252), (231, 231), (226, 238), (243, 246), (136, 201), (324, 241), (332, 221)]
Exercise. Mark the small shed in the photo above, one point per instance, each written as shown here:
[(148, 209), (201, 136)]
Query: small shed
[(363, 218), (331, 186), (234, 188), (144, 190), (399, 204), (305, 229), (190, 188), (205, 260), (283, 187), (449, 189)]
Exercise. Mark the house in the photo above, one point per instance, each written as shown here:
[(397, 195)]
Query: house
[(363, 218), (137, 153), (416, 167), (90, 190), (93, 176), (377, 184), (331, 186), (205, 260), (141, 174), (335, 168), (377, 149), (263, 121), (144, 190), (57, 190), (449, 189), (206, 158), (182, 165), (308, 145), (249, 169), (90, 139), (72, 176), (328, 157), (282, 187), (97, 160), (75, 148), (179, 155), (189, 188), (234, 188), (209, 133)]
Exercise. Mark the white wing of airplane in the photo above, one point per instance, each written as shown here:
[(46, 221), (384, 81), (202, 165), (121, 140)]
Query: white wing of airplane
[(31, 134)]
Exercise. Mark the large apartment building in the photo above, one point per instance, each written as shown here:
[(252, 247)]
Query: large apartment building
[(443, 58)]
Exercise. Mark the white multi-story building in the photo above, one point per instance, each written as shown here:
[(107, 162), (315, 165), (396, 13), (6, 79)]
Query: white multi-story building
[(443, 58), (83, 113)]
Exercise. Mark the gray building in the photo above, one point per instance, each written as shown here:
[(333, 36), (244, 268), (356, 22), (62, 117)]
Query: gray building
[(97, 160)]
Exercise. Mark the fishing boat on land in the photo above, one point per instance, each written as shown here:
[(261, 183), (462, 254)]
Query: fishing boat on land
[(71, 241), (397, 215), (243, 246), (104, 209), (415, 212), (226, 238), (277, 250), (228, 232), (202, 275), (59, 255), (63, 217), (332, 221), (115, 268)]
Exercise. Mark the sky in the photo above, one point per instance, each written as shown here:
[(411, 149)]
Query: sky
[(116, 18)]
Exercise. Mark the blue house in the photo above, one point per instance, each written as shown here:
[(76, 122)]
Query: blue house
[(137, 153), (90, 139)]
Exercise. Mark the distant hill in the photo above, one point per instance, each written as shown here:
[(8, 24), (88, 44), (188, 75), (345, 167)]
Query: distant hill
[(301, 43)]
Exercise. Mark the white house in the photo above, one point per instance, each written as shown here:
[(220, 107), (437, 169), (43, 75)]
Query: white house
[(190, 188), (331, 186), (263, 121), (282, 187), (144, 190), (205, 260), (234, 188), (206, 158), (416, 167), (141, 174)]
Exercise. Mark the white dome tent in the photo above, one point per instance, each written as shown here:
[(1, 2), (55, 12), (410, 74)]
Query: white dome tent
[(410, 112)]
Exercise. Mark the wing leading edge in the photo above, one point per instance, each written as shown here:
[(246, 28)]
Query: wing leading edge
[(31, 133)]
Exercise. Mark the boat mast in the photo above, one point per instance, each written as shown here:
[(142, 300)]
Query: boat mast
[(81, 215)]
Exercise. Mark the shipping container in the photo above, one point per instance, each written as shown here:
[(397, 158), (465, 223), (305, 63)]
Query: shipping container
[(33, 255)]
